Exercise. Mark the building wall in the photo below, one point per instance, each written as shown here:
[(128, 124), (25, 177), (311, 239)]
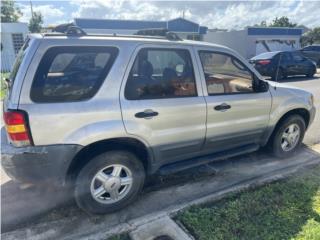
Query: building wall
[(253, 41), (236, 40), (7, 49)]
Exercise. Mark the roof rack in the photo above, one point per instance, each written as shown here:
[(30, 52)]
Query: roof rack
[(163, 32), (70, 29)]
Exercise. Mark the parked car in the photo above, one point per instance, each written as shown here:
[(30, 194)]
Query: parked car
[(101, 113), (280, 65), (312, 52)]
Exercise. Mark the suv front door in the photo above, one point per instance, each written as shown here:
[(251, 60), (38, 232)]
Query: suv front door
[(236, 114), (162, 101)]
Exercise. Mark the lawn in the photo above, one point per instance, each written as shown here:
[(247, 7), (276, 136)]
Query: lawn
[(289, 209)]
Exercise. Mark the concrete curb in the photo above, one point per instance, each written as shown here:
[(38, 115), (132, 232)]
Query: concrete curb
[(164, 226)]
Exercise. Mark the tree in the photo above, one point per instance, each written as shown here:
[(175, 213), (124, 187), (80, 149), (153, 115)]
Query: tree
[(35, 23), (311, 37), (10, 12), (262, 24), (282, 22)]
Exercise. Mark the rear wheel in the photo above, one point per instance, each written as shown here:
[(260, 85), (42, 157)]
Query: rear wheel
[(288, 136), (109, 182)]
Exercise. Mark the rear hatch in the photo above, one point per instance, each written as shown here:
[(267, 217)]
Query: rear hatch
[(16, 121), (18, 71)]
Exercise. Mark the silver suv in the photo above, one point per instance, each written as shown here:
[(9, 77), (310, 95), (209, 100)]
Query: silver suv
[(100, 113)]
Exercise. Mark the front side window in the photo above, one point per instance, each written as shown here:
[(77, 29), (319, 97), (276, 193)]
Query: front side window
[(161, 73), (225, 74), (68, 74)]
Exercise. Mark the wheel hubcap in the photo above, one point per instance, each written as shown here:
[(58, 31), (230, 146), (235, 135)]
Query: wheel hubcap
[(290, 137), (111, 184)]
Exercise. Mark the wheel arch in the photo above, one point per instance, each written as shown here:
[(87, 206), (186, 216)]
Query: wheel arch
[(304, 113), (137, 147)]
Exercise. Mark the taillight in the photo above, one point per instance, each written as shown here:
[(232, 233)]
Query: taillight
[(264, 62), (17, 128)]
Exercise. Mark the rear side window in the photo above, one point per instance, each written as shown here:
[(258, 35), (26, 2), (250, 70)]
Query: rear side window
[(161, 73), (67, 74)]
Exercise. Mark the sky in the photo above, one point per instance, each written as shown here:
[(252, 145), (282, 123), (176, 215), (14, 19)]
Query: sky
[(213, 14)]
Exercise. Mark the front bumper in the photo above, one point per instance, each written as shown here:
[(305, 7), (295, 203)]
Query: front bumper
[(37, 164)]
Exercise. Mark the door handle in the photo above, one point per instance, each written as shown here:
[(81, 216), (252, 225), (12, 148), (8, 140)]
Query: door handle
[(147, 114), (222, 107)]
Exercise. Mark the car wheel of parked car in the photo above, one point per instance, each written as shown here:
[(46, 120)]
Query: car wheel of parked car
[(310, 74), (288, 136), (109, 181)]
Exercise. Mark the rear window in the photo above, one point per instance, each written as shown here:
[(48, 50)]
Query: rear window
[(267, 55), (67, 74)]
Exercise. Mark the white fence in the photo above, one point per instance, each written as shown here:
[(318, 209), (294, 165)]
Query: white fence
[(7, 61)]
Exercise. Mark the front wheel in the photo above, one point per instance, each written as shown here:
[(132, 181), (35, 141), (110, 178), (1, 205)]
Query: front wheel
[(109, 182), (311, 74), (288, 136)]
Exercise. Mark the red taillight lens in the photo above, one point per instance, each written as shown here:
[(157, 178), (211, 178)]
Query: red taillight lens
[(264, 62), (17, 128)]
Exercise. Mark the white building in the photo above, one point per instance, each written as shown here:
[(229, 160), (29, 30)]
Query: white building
[(255, 40), (12, 38)]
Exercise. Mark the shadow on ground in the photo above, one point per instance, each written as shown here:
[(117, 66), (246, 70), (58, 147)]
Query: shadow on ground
[(39, 204)]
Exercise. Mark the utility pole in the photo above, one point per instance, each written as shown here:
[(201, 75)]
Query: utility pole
[(183, 13), (31, 9)]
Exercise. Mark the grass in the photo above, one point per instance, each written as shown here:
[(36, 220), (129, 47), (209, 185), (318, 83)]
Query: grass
[(288, 209), (3, 84), (119, 237)]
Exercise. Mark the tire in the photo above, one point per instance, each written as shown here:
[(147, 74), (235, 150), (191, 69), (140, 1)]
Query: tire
[(88, 182), (310, 74), (277, 142)]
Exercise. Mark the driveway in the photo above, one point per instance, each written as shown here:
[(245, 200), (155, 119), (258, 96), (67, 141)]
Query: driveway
[(45, 213)]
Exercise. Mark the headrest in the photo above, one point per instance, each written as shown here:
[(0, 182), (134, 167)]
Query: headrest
[(146, 69)]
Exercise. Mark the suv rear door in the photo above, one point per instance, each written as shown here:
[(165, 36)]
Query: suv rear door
[(237, 115), (162, 102)]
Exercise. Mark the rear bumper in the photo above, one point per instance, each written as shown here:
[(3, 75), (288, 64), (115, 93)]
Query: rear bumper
[(37, 164)]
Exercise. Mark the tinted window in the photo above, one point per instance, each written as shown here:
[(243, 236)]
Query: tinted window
[(225, 74), (297, 57), (71, 73), (161, 73), (285, 57)]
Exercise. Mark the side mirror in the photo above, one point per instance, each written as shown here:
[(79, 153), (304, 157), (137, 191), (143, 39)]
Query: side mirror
[(263, 86), (260, 85)]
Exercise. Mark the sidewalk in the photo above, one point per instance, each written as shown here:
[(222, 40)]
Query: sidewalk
[(198, 186)]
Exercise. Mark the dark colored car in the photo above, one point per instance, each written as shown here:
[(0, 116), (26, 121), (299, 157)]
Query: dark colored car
[(312, 52), (279, 65)]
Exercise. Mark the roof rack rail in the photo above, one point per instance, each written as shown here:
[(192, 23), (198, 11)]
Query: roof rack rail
[(161, 32), (70, 29), (75, 31)]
